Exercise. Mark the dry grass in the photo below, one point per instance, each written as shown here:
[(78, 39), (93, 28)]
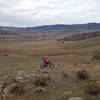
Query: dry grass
[(96, 56), (92, 91), (28, 55), (65, 74), (40, 82)]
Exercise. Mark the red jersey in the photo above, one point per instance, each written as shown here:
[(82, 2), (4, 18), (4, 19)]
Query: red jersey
[(45, 59)]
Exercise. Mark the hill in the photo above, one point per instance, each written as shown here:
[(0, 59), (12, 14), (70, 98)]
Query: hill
[(69, 58), (81, 36), (89, 27)]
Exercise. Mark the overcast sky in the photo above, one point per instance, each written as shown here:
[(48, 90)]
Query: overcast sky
[(43, 12)]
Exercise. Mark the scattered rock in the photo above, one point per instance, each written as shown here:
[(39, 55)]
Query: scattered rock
[(39, 90), (5, 77), (31, 76), (20, 76), (14, 88), (9, 88), (75, 98)]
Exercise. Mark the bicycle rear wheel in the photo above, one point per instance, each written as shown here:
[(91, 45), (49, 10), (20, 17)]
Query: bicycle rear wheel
[(42, 66)]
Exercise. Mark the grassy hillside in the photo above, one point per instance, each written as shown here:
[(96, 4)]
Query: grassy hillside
[(84, 43), (68, 57), (49, 47)]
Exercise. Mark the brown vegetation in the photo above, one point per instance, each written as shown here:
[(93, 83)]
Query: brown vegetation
[(83, 74)]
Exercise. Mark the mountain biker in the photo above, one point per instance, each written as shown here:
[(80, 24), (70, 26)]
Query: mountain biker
[(46, 63), (45, 59)]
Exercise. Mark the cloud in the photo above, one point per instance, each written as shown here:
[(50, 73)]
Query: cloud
[(40, 12)]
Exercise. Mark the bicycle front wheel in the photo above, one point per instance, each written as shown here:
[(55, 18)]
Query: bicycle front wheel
[(51, 65)]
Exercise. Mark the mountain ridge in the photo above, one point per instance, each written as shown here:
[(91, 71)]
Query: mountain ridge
[(89, 27)]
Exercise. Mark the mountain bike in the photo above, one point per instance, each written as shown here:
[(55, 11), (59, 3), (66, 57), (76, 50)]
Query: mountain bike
[(47, 65)]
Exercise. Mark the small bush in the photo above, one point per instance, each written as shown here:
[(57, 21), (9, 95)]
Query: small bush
[(41, 81), (92, 89), (65, 74), (96, 56), (83, 75), (5, 54), (74, 64)]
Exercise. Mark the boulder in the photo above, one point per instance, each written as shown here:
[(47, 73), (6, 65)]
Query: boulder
[(14, 88), (20, 76), (39, 90), (9, 88), (75, 98)]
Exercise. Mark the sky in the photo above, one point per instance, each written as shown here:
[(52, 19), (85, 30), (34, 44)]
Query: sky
[(28, 13)]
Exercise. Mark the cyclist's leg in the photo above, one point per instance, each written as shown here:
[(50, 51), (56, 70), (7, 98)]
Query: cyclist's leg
[(46, 64)]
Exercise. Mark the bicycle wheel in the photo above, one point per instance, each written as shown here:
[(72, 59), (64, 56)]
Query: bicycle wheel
[(42, 66), (51, 65)]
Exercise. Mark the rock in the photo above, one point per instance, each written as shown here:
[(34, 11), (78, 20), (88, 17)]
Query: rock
[(28, 86), (31, 76), (75, 98), (4, 77), (39, 89), (8, 82), (20, 76), (14, 88), (9, 88)]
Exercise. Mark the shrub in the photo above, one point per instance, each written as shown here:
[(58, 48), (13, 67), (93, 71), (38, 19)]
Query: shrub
[(65, 74), (83, 74), (74, 64), (96, 56), (5, 54), (92, 89), (41, 81)]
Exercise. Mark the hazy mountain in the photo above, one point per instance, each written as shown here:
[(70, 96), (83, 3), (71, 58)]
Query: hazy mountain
[(89, 27)]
